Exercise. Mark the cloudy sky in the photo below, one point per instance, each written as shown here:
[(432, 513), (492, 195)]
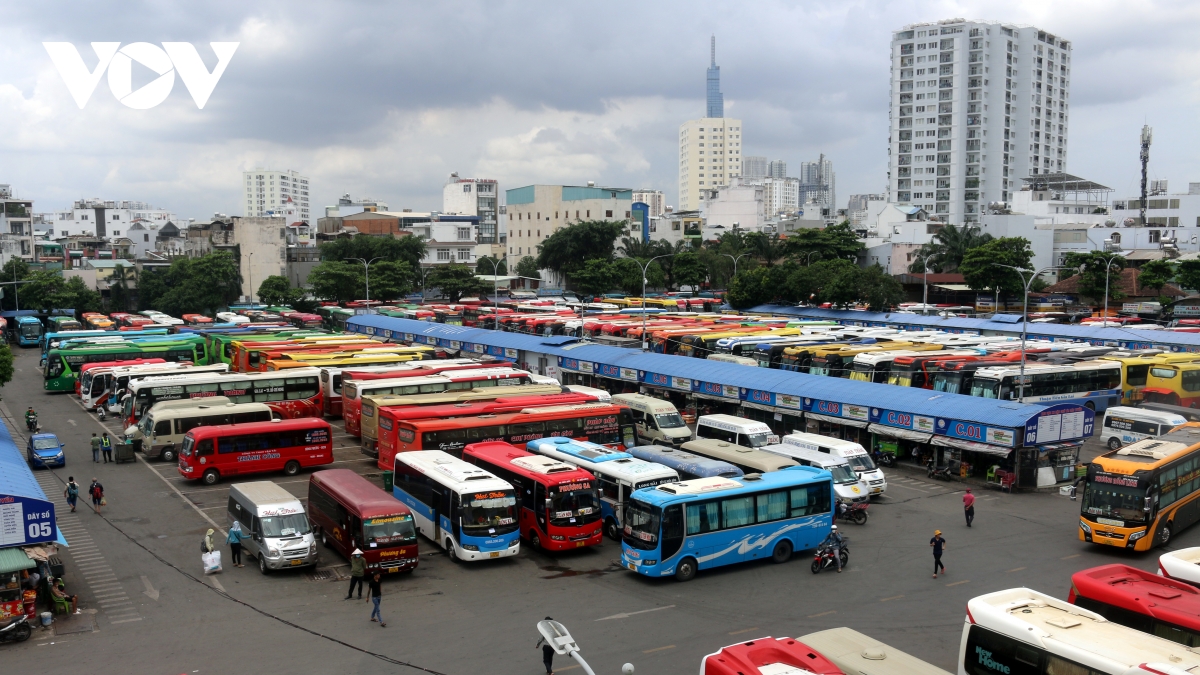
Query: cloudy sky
[(386, 99)]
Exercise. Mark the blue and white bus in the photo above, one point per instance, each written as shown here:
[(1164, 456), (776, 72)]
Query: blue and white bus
[(458, 506), (1094, 384), (617, 473), (29, 331), (686, 464), (679, 528)]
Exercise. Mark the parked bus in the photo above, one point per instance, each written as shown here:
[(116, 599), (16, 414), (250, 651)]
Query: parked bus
[(1141, 495), (600, 423), (363, 359), (618, 473), (1140, 600), (89, 371), (117, 382), (248, 354), (210, 453), (857, 456), (682, 527), (770, 354), (1181, 565), (462, 508), (1093, 384), (686, 464), (559, 503), (349, 512), (798, 359), (877, 366), (1173, 384), (768, 656), (853, 652), (1124, 425), (62, 365), (58, 324), (354, 390), (29, 330), (332, 376), (301, 320), (835, 360), (53, 340), (164, 426), (1022, 631), (915, 370), (294, 394)]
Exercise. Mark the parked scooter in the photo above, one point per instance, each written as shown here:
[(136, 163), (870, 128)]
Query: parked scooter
[(884, 458), (856, 513), (16, 630), (938, 472), (824, 557)]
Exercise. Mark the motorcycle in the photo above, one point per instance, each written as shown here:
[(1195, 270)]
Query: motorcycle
[(884, 458), (937, 472), (856, 513), (16, 630), (31, 422), (824, 557)]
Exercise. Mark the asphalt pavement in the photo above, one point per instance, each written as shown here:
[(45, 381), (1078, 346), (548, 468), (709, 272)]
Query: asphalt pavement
[(137, 570)]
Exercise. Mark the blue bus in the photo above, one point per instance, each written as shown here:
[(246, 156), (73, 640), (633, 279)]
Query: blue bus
[(686, 464), (458, 506), (679, 528), (29, 331), (618, 474), (53, 340)]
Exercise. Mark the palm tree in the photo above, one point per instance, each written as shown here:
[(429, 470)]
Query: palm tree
[(766, 248), (948, 248), (118, 287), (636, 248)]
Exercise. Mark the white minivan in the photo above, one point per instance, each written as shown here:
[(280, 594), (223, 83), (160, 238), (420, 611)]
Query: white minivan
[(735, 430), (847, 486), (163, 427), (275, 527), (657, 421), (859, 459), (1124, 425)]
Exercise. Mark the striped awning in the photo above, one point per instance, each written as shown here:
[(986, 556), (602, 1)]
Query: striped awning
[(14, 560)]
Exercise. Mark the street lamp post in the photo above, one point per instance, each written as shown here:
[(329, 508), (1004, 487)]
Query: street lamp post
[(1025, 315), (1107, 269), (495, 292), (367, 273), (644, 268), (925, 295), (250, 273), (808, 257), (735, 260), (424, 273)]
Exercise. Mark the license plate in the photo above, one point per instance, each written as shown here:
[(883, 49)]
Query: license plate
[(393, 569), (297, 562), (494, 554), (631, 566), (578, 544)]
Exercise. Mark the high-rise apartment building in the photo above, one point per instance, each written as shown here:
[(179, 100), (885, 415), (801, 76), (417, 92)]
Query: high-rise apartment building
[(474, 197), (777, 168), (266, 191), (652, 198), (818, 183), (710, 148), (535, 212), (975, 107), (754, 167)]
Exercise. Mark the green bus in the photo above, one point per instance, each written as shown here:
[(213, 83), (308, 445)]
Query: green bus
[(60, 323), (62, 365), (220, 345)]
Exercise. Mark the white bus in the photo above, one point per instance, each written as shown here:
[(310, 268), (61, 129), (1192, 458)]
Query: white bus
[(854, 653), (116, 383), (458, 506), (1094, 384), (293, 393), (847, 486), (331, 377), (1023, 632), (617, 473), (859, 459), (1124, 425)]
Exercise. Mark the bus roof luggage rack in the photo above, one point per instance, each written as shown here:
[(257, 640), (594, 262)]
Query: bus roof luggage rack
[(1152, 449)]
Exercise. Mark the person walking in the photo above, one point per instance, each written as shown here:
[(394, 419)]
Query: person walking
[(374, 595), (207, 545), (235, 544), (106, 447), (969, 506), (358, 570), (95, 448), (96, 490), (939, 545), (547, 653), (72, 492)]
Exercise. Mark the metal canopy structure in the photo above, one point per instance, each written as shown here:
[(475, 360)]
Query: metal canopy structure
[(1062, 184)]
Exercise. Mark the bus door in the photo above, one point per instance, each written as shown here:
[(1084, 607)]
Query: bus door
[(439, 502), (610, 502), (539, 507)]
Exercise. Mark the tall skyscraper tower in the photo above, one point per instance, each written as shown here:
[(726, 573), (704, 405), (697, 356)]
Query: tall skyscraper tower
[(710, 148), (975, 107)]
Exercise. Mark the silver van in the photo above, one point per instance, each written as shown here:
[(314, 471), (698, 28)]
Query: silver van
[(657, 421), (275, 528), (162, 428)]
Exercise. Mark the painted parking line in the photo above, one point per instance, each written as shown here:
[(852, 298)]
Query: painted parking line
[(894, 597), (658, 649), (813, 616), (744, 630), (1070, 556), (1015, 569), (958, 583)]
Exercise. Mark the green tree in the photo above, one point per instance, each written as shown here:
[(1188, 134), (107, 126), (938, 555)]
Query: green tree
[(768, 248), (689, 270), (528, 267), (1187, 275), (1092, 280), (390, 279), (119, 294), (836, 242), (629, 275), (596, 277), (634, 247), (757, 286), (878, 289), (569, 248), (408, 249), (277, 290), (337, 281), (484, 265), (152, 285), (948, 248), (6, 364), (47, 290), (458, 281), (1156, 274), (981, 266)]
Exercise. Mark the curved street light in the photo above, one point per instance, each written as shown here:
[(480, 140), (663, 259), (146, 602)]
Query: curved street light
[(644, 268), (808, 257), (1025, 314), (495, 293), (925, 295), (735, 261), (367, 274)]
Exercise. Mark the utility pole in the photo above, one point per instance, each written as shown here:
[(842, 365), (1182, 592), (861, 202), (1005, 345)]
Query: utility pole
[(1147, 134)]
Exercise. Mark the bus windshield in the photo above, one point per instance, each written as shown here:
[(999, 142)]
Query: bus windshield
[(985, 387), (31, 329), (861, 371), (843, 474), (291, 525), (388, 530), (484, 512), (641, 525), (951, 383), (861, 462), (760, 439), (900, 376), (1115, 501), (669, 420), (569, 502)]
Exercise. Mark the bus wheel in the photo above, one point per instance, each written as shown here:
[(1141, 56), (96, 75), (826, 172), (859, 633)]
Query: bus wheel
[(324, 539), (686, 569), (610, 529), (262, 564), (168, 454), (782, 553), (1091, 406), (1164, 535), (211, 477), (534, 539), (291, 468), (450, 552), (1114, 443)]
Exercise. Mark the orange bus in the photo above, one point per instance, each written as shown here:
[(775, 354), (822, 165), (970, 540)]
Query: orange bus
[(250, 355)]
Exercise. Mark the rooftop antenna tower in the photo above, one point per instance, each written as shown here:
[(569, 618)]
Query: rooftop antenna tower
[(1147, 135)]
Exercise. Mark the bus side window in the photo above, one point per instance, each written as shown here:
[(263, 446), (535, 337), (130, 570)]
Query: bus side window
[(539, 503), (608, 488), (204, 448), (162, 428)]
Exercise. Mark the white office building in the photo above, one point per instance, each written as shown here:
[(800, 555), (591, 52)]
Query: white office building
[(107, 218), (710, 148), (474, 197), (265, 191), (975, 107), (652, 198)]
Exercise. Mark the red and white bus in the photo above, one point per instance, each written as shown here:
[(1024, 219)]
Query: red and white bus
[(601, 423), (560, 503), (294, 393), (1140, 600), (771, 656), (106, 386), (419, 383), (210, 453), (85, 368), (331, 378)]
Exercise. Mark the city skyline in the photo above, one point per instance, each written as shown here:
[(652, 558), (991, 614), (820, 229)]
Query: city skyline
[(619, 129)]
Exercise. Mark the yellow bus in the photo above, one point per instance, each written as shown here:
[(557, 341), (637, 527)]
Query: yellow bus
[(1135, 373), (1141, 495), (343, 361), (835, 360)]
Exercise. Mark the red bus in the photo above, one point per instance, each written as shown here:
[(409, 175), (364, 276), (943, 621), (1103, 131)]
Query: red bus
[(602, 423), (560, 503), (83, 369), (418, 382), (300, 320), (1140, 600), (209, 453), (196, 320), (349, 512), (473, 316), (331, 377), (916, 370), (775, 655)]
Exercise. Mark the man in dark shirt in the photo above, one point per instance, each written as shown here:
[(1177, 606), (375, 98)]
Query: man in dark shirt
[(939, 545), (374, 595), (547, 653)]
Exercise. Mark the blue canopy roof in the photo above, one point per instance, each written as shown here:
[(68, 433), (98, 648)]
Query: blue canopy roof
[(16, 477)]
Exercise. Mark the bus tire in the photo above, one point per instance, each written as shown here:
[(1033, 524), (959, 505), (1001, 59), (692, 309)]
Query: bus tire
[(1114, 443), (451, 552), (211, 477), (1164, 535), (291, 468), (686, 569), (610, 529), (782, 552), (262, 564), (324, 539), (1090, 405), (534, 539)]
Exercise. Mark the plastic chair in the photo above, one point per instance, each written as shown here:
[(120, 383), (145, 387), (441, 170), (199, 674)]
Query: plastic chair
[(1007, 481), (991, 473), (61, 605)]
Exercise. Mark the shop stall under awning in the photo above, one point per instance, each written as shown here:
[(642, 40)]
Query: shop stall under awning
[(14, 560), (906, 434), (861, 424), (26, 514), (971, 446)]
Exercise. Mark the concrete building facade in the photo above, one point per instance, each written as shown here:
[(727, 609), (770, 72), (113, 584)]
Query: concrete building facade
[(266, 190), (710, 148), (653, 199), (754, 167), (474, 197), (16, 226), (106, 218), (741, 204), (534, 212)]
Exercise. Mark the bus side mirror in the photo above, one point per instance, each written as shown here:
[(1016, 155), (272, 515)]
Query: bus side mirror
[(1147, 507)]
